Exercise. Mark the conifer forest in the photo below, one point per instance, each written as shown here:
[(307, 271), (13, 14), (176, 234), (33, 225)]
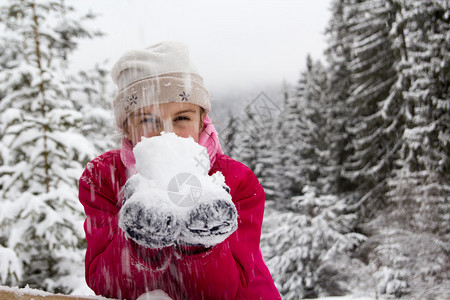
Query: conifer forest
[(355, 162)]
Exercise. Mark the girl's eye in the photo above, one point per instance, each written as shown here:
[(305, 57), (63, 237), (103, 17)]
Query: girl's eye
[(182, 118), (149, 121)]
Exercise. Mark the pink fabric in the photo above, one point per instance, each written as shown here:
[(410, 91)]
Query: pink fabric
[(208, 138), (127, 156), (116, 267)]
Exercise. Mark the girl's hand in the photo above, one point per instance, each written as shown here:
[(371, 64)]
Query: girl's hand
[(209, 223), (144, 218), (148, 226)]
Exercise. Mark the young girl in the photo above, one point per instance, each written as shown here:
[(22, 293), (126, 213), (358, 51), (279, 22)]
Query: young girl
[(160, 90)]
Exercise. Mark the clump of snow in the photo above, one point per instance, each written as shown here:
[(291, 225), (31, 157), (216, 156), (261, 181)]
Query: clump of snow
[(27, 292), (154, 295), (161, 157), (24, 291), (9, 264), (173, 199)]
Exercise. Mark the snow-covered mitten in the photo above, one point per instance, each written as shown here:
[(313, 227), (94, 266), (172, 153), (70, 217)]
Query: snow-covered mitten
[(209, 223), (144, 217)]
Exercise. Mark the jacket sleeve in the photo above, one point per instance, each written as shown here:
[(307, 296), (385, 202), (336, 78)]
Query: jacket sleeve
[(115, 266), (224, 271)]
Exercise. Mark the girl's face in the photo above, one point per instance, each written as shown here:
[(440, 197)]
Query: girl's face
[(184, 119)]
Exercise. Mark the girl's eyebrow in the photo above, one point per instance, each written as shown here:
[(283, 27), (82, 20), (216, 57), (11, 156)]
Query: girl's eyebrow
[(185, 111), (138, 114)]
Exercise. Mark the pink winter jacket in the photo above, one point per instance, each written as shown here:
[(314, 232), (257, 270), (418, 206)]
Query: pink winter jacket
[(117, 267)]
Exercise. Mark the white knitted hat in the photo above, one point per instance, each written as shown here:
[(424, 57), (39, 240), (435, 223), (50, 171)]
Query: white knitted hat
[(161, 73)]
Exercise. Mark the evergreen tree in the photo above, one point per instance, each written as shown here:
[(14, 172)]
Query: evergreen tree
[(244, 143), (308, 236), (266, 111), (93, 101), (41, 218), (308, 250), (289, 139), (253, 137), (425, 161), (338, 139), (301, 133), (374, 105), (268, 159), (272, 176), (418, 204), (314, 154), (229, 134)]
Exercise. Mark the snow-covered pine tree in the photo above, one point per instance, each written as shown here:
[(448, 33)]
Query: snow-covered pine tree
[(272, 176), (308, 239), (289, 140), (253, 132), (426, 164), (418, 210), (244, 149), (10, 269), (307, 251), (301, 133), (94, 102), (338, 140), (314, 152), (228, 134), (265, 111), (373, 105), (41, 218)]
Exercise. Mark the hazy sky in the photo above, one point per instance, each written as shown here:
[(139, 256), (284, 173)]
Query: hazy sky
[(234, 44)]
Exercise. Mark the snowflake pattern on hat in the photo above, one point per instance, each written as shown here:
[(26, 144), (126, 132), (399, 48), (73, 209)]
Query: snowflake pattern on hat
[(130, 101), (184, 97)]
